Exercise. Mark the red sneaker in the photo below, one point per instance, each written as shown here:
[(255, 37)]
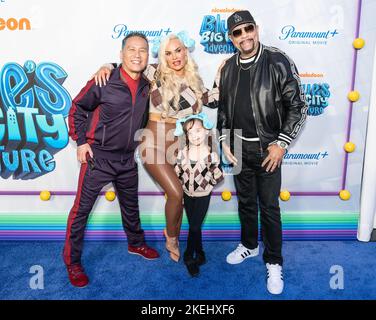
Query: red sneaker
[(77, 276), (145, 251)]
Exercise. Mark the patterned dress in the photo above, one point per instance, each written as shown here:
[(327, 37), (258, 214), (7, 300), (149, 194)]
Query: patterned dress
[(187, 102)]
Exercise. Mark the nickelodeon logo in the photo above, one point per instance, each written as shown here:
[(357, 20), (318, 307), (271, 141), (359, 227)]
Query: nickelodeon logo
[(13, 24)]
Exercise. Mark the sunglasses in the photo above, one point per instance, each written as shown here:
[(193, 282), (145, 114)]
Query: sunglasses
[(247, 29)]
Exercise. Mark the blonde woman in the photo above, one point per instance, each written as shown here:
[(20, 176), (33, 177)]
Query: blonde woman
[(177, 91)]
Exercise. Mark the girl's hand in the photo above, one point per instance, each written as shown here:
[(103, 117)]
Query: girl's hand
[(227, 151)]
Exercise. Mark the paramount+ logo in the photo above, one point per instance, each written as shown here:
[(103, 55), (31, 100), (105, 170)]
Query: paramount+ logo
[(14, 24)]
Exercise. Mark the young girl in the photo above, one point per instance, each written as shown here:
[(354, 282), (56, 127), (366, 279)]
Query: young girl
[(198, 170)]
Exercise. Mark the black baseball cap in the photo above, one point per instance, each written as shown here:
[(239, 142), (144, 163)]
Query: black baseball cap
[(238, 18)]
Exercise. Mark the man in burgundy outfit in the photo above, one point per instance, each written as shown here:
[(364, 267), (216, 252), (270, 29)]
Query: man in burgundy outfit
[(103, 122)]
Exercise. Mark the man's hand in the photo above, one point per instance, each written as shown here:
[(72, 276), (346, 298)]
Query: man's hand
[(274, 157), (227, 151), (82, 150), (102, 75)]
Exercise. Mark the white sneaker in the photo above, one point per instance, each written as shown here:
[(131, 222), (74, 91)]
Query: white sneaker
[(275, 278), (240, 254)]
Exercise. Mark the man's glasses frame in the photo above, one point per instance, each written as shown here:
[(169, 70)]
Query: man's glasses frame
[(247, 29)]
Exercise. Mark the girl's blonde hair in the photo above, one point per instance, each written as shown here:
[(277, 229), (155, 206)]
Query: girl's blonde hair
[(170, 86)]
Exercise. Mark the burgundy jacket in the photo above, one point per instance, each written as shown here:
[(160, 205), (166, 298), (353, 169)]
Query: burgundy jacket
[(105, 118)]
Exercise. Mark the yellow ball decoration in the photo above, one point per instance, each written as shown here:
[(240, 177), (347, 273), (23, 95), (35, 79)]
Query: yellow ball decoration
[(166, 197), (285, 195), (349, 147), (45, 195), (110, 196), (345, 195), (226, 195), (359, 43), (353, 96)]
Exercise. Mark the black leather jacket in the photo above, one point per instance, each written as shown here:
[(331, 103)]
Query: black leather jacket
[(277, 99)]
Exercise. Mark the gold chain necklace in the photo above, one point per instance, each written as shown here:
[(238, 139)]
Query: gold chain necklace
[(241, 67)]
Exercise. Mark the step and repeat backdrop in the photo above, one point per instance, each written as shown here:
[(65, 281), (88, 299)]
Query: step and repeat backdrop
[(50, 49)]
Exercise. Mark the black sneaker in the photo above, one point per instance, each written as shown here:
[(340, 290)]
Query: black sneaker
[(200, 258), (191, 265), (192, 268)]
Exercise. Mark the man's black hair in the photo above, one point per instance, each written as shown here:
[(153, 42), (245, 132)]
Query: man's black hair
[(134, 34)]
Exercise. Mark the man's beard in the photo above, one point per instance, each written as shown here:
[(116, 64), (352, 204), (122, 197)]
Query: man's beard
[(251, 51)]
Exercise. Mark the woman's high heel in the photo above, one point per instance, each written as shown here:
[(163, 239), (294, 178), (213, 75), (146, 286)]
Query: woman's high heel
[(172, 246)]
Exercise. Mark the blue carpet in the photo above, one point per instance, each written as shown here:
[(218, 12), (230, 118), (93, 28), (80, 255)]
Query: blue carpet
[(115, 274)]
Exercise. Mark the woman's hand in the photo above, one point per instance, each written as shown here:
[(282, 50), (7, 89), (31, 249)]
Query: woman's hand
[(103, 74)]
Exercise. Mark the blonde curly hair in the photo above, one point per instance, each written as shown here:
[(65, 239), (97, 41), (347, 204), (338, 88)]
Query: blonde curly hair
[(170, 82)]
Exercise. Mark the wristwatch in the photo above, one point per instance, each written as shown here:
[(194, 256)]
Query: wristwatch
[(282, 144)]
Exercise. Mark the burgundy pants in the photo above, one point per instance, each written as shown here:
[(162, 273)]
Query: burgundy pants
[(124, 177)]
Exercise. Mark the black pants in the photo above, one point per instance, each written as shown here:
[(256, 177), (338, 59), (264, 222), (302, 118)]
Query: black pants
[(196, 209), (258, 189)]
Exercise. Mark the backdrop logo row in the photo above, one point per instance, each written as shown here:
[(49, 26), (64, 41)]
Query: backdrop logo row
[(317, 96), (121, 30), (295, 36), (305, 159), (33, 108), (213, 33), (15, 24)]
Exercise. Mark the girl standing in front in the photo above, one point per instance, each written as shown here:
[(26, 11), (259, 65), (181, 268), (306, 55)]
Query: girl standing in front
[(198, 170)]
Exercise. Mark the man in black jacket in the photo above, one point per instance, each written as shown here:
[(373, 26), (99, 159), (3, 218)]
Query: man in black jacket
[(261, 110)]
